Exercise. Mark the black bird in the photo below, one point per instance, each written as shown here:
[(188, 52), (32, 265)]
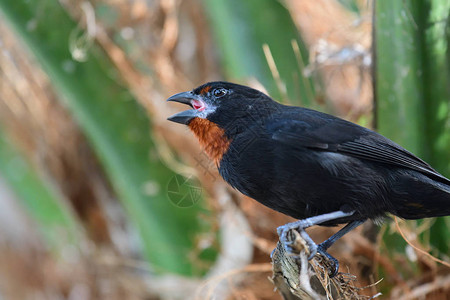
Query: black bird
[(309, 165)]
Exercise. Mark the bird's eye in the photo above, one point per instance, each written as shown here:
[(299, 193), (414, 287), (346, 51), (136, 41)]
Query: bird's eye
[(220, 93)]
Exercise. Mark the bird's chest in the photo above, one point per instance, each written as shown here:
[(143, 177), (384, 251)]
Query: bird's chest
[(248, 166), (211, 138)]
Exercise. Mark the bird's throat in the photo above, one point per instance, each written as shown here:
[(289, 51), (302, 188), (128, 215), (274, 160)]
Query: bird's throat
[(212, 138)]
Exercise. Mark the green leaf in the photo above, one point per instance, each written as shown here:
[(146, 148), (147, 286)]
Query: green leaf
[(241, 28), (398, 75), (118, 130), (351, 5), (413, 83), (41, 201)]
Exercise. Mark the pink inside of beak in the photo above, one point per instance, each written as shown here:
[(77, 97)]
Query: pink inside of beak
[(198, 105)]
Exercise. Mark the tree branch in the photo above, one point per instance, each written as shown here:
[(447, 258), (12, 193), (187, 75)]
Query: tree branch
[(297, 278)]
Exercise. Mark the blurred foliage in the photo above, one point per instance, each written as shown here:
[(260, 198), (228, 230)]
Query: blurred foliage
[(351, 5), (241, 28), (412, 73), (413, 91), (119, 131), (46, 206)]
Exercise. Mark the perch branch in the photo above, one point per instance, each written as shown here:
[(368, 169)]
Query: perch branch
[(297, 278)]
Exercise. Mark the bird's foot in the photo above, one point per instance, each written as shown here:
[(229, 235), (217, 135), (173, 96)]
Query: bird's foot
[(331, 263), (289, 243), (291, 246)]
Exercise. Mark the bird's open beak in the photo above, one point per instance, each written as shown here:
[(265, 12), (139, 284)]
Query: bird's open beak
[(186, 116)]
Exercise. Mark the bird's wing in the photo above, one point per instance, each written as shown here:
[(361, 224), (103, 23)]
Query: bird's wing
[(327, 133)]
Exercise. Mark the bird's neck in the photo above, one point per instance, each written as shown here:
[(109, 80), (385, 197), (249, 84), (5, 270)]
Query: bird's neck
[(212, 138)]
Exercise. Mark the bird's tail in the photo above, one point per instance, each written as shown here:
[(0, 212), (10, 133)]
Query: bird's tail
[(439, 204), (428, 199)]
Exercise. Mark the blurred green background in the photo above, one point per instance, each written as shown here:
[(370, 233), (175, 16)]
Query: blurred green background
[(90, 188)]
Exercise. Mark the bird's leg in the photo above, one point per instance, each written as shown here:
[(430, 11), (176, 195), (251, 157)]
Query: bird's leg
[(347, 228), (322, 247), (301, 225)]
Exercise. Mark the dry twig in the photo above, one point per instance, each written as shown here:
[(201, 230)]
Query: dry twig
[(297, 278)]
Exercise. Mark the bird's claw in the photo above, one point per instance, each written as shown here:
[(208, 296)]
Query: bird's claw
[(312, 247), (332, 262), (283, 231)]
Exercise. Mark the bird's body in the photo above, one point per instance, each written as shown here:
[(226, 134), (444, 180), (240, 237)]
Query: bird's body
[(305, 163)]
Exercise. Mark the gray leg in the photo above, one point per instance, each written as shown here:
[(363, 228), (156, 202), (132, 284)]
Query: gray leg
[(305, 223), (301, 225)]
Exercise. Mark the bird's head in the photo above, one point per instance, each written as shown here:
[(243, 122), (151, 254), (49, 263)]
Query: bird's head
[(222, 103), (221, 110)]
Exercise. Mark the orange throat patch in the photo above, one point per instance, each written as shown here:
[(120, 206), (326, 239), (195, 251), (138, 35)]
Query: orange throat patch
[(211, 137)]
